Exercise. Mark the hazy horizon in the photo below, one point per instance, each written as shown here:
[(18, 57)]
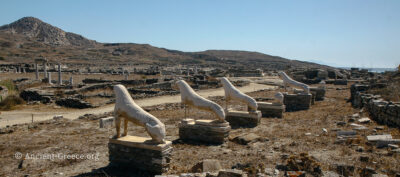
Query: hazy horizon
[(337, 33)]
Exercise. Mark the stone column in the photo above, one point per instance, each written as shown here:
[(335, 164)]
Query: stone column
[(71, 80), (126, 76), (45, 69), (37, 71), (23, 70), (59, 74), (49, 77)]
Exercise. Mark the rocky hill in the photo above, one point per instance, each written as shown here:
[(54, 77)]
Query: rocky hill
[(29, 37), (40, 31)]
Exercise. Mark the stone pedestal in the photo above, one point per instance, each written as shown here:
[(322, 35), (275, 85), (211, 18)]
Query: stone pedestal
[(206, 131), (243, 118), (319, 93), (313, 94), (271, 109), (139, 153), (296, 102)]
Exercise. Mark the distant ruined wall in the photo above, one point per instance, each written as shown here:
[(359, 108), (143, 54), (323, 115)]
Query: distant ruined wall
[(384, 112)]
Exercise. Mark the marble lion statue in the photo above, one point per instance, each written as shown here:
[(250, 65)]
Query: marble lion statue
[(287, 80), (232, 93), (127, 109), (191, 98)]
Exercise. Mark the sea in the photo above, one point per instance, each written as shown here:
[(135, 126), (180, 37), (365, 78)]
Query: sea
[(376, 70)]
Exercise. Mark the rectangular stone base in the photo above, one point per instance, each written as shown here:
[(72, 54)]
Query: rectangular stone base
[(271, 109), (243, 118), (204, 131), (319, 93), (296, 102), (139, 153)]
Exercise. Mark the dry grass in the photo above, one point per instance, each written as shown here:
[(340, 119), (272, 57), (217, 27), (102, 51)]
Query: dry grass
[(10, 102), (392, 91)]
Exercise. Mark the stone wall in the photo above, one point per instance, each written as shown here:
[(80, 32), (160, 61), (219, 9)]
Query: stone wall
[(384, 112)]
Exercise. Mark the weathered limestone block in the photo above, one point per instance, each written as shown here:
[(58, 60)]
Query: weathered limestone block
[(107, 122), (357, 88), (271, 109), (296, 102), (243, 118), (206, 131), (139, 153), (319, 93)]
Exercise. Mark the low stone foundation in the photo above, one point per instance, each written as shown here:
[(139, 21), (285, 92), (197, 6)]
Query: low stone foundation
[(139, 153), (205, 131), (243, 118), (296, 102), (384, 112), (271, 109), (319, 93)]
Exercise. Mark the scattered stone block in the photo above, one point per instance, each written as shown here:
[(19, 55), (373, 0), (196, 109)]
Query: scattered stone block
[(271, 109), (107, 122), (246, 139), (297, 102), (341, 123), (231, 173), (296, 173), (375, 138), (208, 165), (243, 118), (356, 115), (346, 133), (385, 143), (207, 131), (139, 153), (393, 146), (364, 120), (58, 117), (330, 174), (358, 127)]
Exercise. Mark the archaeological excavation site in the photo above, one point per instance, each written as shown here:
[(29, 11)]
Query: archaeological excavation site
[(71, 106)]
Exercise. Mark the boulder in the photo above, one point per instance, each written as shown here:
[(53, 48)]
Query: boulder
[(245, 139), (231, 173), (208, 165)]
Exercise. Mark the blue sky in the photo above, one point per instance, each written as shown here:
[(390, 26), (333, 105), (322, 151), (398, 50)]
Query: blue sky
[(362, 33)]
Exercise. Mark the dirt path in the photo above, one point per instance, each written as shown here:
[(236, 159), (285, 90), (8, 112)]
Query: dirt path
[(24, 116)]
